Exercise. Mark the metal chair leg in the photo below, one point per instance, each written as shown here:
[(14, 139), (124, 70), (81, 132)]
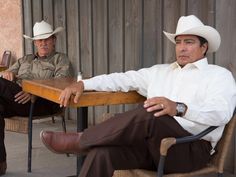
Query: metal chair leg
[(63, 122), (161, 166), (30, 122)]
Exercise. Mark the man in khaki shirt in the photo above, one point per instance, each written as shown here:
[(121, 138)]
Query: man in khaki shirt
[(46, 63)]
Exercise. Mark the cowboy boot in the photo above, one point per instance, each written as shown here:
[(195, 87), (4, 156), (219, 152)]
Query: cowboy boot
[(3, 167), (61, 143)]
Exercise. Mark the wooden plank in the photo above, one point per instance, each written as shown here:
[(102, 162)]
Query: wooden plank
[(133, 36), (116, 50), (100, 44), (37, 11), (28, 26), (226, 23), (60, 20), (73, 46), (86, 53), (204, 10), (48, 11), (151, 24), (73, 40), (171, 15)]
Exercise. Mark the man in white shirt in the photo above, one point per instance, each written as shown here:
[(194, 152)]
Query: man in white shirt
[(183, 98)]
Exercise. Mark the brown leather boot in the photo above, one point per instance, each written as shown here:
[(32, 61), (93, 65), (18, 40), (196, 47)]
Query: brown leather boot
[(3, 167), (61, 143)]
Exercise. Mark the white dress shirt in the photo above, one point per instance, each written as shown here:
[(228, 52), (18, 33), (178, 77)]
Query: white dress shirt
[(208, 90)]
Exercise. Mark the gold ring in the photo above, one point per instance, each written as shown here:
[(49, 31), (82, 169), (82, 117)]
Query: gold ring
[(162, 106)]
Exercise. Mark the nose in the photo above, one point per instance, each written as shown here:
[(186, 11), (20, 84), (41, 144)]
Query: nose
[(181, 46), (42, 41)]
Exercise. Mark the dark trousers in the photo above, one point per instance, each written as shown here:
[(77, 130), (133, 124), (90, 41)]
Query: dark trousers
[(9, 108), (132, 139)]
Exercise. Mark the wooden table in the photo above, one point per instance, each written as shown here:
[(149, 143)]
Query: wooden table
[(3, 68), (51, 89)]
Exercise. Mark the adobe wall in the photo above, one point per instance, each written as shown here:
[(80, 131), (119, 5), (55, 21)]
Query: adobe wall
[(11, 27)]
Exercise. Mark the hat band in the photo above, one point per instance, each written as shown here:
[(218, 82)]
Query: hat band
[(43, 34)]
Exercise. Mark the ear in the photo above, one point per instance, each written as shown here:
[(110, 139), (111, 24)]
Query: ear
[(34, 41), (204, 48)]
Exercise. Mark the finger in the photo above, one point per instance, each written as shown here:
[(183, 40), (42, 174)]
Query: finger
[(77, 95), (152, 101), (18, 94), (149, 104), (62, 98), (67, 98), (155, 107), (22, 98), (26, 100), (160, 113)]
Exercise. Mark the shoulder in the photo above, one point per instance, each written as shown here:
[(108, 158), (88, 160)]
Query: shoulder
[(26, 58), (60, 55), (219, 73), (216, 69)]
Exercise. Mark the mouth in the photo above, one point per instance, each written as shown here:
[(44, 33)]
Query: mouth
[(43, 48), (182, 56)]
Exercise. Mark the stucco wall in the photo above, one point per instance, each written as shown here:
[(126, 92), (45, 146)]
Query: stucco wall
[(11, 27)]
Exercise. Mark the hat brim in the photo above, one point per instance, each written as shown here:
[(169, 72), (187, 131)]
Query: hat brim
[(44, 36), (210, 34)]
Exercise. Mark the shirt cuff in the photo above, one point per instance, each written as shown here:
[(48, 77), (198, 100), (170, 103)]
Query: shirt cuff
[(88, 84)]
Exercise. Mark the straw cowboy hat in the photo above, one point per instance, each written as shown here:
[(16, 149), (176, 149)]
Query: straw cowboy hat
[(43, 30), (193, 26)]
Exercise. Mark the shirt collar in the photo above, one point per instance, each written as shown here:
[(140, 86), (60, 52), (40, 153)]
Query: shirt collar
[(200, 64), (46, 57)]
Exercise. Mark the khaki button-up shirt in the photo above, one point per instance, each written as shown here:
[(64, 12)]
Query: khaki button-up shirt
[(34, 67)]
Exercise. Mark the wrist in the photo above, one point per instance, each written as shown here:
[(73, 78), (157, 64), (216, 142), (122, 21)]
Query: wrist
[(181, 109)]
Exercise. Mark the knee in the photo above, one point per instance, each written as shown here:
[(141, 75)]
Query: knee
[(100, 151)]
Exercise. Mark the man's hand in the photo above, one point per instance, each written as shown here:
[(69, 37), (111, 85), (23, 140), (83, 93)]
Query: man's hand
[(75, 89), (22, 97), (161, 106), (8, 75)]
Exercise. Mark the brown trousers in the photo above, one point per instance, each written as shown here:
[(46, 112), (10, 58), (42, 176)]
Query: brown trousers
[(132, 139), (9, 108)]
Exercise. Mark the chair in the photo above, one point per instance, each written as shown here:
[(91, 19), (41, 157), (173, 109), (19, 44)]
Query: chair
[(18, 124), (60, 113), (25, 125), (5, 61), (216, 164)]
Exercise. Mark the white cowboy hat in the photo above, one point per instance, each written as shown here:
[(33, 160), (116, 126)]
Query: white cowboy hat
[(43, 30), (193, 26)]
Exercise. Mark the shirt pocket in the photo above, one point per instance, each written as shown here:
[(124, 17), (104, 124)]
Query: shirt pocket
[(44, 70), (24, 68)]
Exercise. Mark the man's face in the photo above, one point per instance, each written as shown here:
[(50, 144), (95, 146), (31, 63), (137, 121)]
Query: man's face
[(45, 46), (188, 49)]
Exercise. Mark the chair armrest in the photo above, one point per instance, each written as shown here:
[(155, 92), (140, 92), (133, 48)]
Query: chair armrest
[(195, 137), (166, 143)]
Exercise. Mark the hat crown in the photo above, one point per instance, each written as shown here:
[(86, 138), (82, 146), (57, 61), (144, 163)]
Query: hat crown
[(41, 28), (188, 22)]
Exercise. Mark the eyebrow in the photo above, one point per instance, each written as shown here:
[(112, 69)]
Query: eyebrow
[(185, 40)]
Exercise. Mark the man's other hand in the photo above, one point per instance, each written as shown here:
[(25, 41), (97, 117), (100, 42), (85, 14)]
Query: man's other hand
[(75, 89), (161, 106), (8, 75), (22, 97)]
